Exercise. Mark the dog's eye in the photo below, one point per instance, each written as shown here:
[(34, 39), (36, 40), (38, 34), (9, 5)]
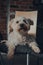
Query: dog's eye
[(24, 21), (17, 21)]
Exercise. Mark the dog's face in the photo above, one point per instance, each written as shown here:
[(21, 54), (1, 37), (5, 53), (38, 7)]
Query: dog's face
[(21, 24)]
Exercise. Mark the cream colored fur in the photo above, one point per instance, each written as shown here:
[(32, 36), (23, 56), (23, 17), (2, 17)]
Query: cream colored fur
[(15, 37)]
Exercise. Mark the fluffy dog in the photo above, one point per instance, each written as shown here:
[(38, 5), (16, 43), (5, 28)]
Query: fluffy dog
[(18, 34)]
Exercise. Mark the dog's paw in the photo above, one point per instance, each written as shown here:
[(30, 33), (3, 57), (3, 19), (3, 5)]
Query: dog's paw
[(10, 55), (36, 49)]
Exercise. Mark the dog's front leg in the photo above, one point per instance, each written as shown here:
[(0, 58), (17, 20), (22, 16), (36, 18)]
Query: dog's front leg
[(10, 51), (34, 47)]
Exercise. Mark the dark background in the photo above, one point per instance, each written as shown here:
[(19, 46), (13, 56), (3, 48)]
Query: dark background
[(22, 5)]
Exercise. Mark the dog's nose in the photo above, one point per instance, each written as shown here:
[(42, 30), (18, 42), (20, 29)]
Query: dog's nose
[(21, 25)]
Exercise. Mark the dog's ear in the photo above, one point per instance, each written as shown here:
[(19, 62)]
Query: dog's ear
[(10, 28), (30, 22)]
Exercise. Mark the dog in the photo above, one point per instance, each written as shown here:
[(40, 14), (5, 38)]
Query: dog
[(18, 34)]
